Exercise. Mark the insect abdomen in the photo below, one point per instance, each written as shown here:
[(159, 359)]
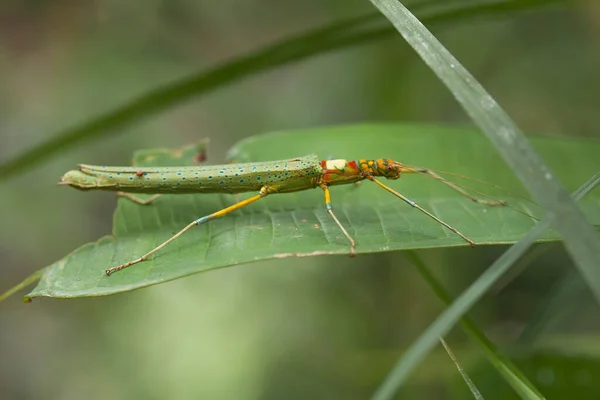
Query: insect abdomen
[(287, 175)]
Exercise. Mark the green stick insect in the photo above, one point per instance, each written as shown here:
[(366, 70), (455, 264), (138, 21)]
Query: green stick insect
[(266, 178)]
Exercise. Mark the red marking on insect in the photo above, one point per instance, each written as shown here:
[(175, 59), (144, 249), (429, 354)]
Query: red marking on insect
[(200, 157), (139, 173)]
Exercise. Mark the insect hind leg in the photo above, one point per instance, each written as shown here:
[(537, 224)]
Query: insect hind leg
[(264, 191), (138, 200)]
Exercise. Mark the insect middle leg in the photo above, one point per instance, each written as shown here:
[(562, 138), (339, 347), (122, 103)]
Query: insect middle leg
[(339, 224), (264, 191)]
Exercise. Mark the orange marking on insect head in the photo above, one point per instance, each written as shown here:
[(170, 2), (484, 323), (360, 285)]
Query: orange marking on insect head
[(139, 173)]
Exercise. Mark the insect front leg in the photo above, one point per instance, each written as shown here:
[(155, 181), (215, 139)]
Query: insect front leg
[(424, 211)]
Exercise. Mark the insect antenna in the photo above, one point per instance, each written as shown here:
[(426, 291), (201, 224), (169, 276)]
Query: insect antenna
[(464, 190)]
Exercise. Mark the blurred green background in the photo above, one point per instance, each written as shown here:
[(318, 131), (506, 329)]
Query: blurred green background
[(298, 328)]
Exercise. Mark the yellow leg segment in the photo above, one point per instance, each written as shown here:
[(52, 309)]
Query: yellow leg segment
[(330, 211), (263, 192)]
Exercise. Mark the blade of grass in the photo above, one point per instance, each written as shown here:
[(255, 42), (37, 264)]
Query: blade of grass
[(581, 240), (335, 36), (463, 373), (448, 318), (513, 376)]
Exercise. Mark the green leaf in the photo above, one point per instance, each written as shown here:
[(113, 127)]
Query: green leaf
[(297, 224)]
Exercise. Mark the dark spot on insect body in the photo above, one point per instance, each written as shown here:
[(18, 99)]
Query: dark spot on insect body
[(131, 178), (201, 156)]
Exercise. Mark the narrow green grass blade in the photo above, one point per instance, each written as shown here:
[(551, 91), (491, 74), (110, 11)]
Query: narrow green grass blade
[(335, 36), (564, 369), (581, 240), (448, 318), (297, 224), (509, 371), (476, 394)]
